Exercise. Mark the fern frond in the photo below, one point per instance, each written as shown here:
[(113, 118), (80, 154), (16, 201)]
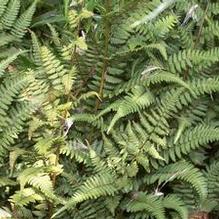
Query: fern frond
[(99, 164), (214, 8), (99, 185), (3, 4), (39, 179), (36, 49), (191, 58), (176, 204), (153, 14), (163, 26), (10, 14), (23, 22), (139, 99), (4, 181), (44, 184), (43, 146), (212, 175), (76, 151), (5, 63), (20, 113), (9, 90), (191, 139), (5, 39), (149, 79), (53, 68), (24, 197), (148, 203), (212, 28), (182, 171)]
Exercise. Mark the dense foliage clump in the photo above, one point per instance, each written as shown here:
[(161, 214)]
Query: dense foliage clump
[(109, 109)]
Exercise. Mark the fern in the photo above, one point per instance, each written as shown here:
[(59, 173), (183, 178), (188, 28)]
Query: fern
[(132, 103), (212, 176), (5, 63), (117, 113), (24, 197), (147, 203), (11, 13), (173, 202), (182, 171), (192, 139), (99, 185), (24, 21)]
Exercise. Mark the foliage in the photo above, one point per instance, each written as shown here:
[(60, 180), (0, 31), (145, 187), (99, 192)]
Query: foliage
[(115, 112)]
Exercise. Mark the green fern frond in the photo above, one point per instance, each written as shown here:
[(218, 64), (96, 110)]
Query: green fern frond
[(76, 151), (4, 181), (19, 113), (36, 49), (5, 39), (44, 184), (10, 90), (214, 8), (27, 174), (182, 171), (10, 14), (73, 19), (69, 79), (39, 179), (212, 175), (5, 63), (148, 79), (139, 99), (99, 164), (3, 4), (212, 28), (24, 197), (185, 37), (55, 36), (53, 68), (99, 185), (43, 146), (176, 204), (153, 14), (191, 139), (23, 22), (141, 91), (191, 58), (148, 203), (163, 26)]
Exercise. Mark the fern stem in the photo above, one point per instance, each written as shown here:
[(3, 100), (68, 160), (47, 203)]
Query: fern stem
[(14, 211), (201, 26), (198, 36), (50, 210), (106, 51)]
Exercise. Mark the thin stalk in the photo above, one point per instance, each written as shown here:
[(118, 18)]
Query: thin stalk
[(201, 26), (198, 36), (14, 212), (106, 53)]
